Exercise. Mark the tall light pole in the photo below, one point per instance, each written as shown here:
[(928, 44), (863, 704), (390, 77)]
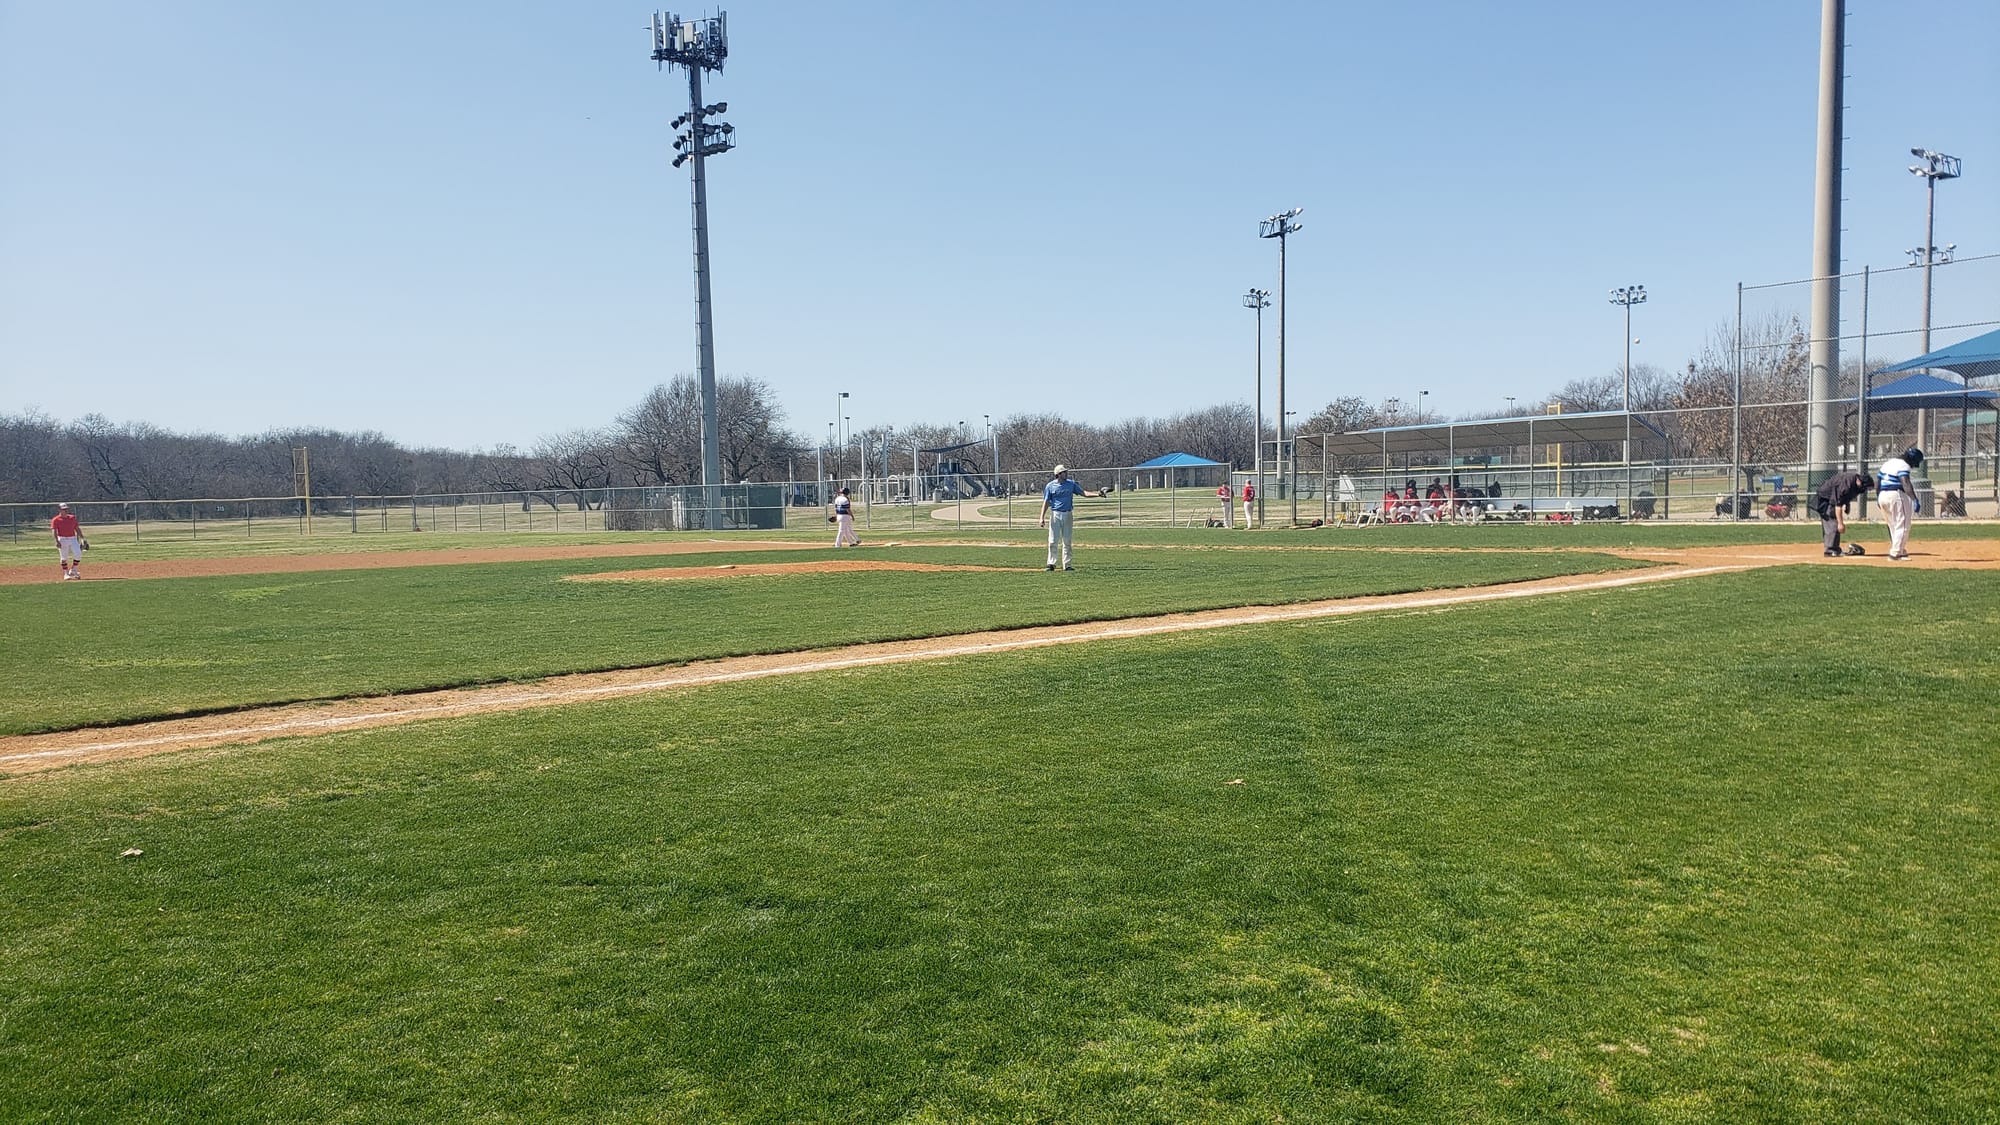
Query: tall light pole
[(1628, 295), (699, 45), (835, 437), (1421, 396), (1936, 166), (993, 439), (1258, 300), (1279, 226)]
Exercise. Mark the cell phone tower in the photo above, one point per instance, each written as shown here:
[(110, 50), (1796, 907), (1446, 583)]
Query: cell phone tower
[(700, 45)]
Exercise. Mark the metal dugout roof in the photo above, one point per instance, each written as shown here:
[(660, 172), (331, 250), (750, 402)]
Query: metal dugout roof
[(1447, 437)]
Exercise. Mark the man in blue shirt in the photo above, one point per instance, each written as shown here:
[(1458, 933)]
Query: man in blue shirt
[(1898, 498), (1058, 498)]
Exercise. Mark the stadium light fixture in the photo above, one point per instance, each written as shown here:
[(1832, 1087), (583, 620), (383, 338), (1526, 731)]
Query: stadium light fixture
[(1936, 166), (1257, 300), (1279, 226), (1628, 296), (698, 46)]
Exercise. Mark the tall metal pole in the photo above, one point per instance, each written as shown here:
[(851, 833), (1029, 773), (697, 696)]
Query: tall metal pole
[(1285, 479), (704, 323), (1279, 226), (1825, 327), (1628, 296), (1867, 380), (1736, 427), (700, 45), (1930, 255), (1257, 300), (1628, 409), (1936, 166)]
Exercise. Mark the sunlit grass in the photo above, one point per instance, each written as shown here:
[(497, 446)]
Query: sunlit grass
[(1568, 859), (137, 649)]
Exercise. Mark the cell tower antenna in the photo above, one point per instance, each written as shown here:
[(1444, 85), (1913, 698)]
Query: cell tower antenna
[(697, 46)]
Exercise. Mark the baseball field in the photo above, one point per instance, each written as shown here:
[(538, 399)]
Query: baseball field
[(1410, 824)]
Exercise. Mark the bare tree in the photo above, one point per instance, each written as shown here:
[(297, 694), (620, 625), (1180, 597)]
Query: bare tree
[(1774, 361), (573, 464)]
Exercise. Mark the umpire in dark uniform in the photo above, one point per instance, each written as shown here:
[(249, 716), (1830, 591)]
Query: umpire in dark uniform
[(1831, 503)]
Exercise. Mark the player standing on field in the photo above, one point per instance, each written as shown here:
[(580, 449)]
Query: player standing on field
[(1899, 498), (843, 515), (1224, 494), (1058, 498), (69, 542)]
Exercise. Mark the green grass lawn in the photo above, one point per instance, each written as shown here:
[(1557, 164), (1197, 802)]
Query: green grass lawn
[(1095, 521), (137, 649), (1577, 858)]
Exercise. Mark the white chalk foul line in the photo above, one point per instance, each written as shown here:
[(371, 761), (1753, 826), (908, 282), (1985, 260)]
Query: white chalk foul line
[(1025, 639)]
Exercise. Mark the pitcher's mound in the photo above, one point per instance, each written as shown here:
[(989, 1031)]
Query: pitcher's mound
[(754, 570)]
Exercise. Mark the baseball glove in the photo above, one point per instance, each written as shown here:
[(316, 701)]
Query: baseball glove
[(1110, 488), (833, 519), (1856, 549), (83, 543)]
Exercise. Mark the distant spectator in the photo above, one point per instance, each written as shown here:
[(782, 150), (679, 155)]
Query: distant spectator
[(1952, 505)]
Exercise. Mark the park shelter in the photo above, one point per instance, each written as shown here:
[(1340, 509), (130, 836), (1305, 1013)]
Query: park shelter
[(1448, 442), (1922, 391), (1976, 358), (1179, 470)]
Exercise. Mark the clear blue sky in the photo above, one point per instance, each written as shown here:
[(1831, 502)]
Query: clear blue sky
[(456, 223)]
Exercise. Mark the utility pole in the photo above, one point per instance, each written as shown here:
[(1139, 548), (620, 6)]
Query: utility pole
[(699, 45)]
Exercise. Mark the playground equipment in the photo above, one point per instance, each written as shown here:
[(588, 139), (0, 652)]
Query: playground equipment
[(953, 476)]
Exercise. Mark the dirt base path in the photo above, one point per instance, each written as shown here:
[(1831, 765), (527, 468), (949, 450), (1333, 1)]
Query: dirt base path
[(26, 754), (383, 560)]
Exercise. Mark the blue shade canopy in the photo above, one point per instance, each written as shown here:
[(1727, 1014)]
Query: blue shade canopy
[(1176, 461), (1928, 392), (1972, 358)]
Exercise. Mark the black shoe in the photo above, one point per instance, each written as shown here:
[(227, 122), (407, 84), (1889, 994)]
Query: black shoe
[(1051, 566), (1833, 554), (1069, 568)]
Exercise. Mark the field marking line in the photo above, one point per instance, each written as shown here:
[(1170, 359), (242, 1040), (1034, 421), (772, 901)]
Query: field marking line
[(475, 701)]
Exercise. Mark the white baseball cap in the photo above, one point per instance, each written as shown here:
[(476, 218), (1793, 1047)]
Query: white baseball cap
[(1060, 470), (62, 507)]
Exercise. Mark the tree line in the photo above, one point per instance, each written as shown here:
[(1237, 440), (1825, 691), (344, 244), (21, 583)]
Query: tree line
[(657, 441)]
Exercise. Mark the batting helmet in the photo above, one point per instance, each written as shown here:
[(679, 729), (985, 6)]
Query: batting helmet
[(1914, 456)]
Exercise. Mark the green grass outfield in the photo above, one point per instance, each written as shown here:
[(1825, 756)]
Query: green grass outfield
[(1094, 527), (1721, 850), (138, 649)]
